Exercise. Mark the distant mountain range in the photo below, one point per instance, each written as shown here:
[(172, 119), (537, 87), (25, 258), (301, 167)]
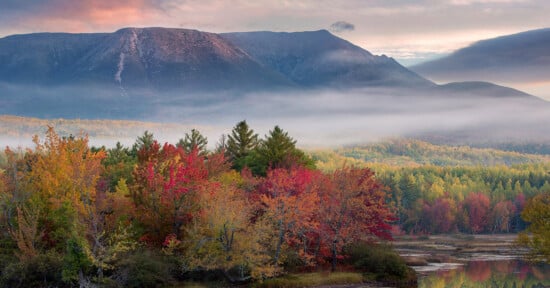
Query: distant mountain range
[(189, 76), (522, 57)]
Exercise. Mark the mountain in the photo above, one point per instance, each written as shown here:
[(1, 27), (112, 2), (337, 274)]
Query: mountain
[(153, 58), (325, 88), (133, 71), (522, 57), (190, 60), (318, 58)]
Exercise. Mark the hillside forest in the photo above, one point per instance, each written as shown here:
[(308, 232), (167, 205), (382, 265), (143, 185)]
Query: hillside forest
[(251, 209)]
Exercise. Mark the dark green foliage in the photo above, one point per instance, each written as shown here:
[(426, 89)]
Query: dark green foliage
[(240, 143), (145, 140), (379, 259), (145, 268), (75, 260), (43, 270), (194, 140), (118, 164), (7, 247), (277, 150)]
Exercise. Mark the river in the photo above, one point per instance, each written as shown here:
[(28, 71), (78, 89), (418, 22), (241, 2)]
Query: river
[(487, 273), (472, 261)]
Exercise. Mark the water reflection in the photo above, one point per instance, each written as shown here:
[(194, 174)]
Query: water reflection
[(501, 273)]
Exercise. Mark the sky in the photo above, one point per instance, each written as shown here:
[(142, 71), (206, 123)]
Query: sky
[(411, 31)]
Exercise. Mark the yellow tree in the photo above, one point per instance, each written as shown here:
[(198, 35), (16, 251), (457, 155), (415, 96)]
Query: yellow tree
[(221, 237), (537, 234), (61, 184)]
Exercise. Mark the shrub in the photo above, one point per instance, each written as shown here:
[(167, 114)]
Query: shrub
[(145, 268), (378, 259), (43, 270)]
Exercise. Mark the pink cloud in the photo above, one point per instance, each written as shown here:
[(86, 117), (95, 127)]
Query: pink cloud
[(87, 15)]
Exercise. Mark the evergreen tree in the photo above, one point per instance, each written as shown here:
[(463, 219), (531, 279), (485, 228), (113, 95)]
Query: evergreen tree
[(145, 140), (277, 150), (240, 143), (194, 140)]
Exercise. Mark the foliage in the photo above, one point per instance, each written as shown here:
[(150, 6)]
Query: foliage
[(148, 215), (145, 268), (118, 164), (353, 208), (44, 269), (167, 184), (192, 141), (379, 259), (290, 200), (277, 150), (413, 153), (143, 142), (240, 143), (537, 213)]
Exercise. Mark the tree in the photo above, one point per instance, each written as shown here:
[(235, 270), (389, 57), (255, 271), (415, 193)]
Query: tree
[(194, 140), (477, 206), (290, 199), (502, 215), (222, 238), (167, 182), (240, 143), (119, 164), (277, 150), (145, 140), (63, 178), (537, 234), (352, 208), (440, 216)]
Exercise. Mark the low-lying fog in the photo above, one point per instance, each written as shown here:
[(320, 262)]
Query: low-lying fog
[(320, 118)]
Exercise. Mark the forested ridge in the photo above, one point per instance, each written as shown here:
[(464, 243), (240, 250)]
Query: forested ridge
[(447, 189), (251, 209)]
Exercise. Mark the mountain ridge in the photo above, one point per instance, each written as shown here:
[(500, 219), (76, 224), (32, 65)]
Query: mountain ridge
[(523, 56), (163, 57)]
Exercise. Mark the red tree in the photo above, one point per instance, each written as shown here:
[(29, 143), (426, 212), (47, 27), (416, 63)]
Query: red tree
[(440, 217), (477, 207), (290, 200), (166, 185), (353, 207)]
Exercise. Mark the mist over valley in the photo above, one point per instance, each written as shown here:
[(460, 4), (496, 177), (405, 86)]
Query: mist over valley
[(322, 89)]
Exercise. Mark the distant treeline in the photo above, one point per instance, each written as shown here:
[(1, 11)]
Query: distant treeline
[(442, 189)]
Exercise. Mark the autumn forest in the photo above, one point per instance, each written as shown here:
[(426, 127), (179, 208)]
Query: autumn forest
[(251, 209)]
